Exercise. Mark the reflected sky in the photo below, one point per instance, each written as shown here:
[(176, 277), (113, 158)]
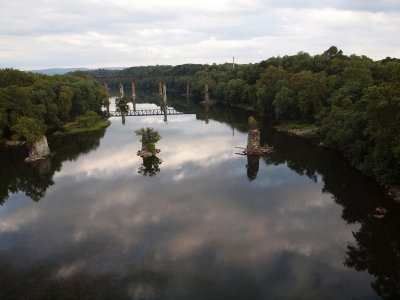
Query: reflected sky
[(199, 229)]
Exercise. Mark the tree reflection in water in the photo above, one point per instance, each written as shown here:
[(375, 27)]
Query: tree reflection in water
[(377, 242), (150, 166), (35, 178), (377, 251)]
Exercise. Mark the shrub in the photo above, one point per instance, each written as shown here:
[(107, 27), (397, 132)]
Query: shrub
[(253, 124), (89, 119), (151, 148)]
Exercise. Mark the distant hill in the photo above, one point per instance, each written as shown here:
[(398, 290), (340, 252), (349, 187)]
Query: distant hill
[(61, 71)]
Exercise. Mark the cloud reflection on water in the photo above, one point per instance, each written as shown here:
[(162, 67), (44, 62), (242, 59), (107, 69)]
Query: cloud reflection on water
[(199, 227)]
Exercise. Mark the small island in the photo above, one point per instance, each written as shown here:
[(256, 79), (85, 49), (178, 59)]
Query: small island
[(149, 138)]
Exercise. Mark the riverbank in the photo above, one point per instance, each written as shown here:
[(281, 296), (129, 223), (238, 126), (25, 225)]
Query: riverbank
[(241, 106), (306, 130), (76, 128), (311, 131)]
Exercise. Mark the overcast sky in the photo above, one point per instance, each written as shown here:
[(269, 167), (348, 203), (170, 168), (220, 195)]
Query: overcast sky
[(112, 33)]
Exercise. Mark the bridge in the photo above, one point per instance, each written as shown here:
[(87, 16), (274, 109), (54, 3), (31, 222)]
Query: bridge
[(145, 112), (130, 78)]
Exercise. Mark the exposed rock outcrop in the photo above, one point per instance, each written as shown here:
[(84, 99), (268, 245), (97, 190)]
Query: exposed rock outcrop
[(38, 149)]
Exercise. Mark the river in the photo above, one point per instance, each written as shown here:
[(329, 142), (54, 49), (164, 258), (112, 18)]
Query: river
[(198, 222)]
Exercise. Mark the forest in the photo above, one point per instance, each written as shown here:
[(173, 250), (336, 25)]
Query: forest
[(353, 100), (36, 103)]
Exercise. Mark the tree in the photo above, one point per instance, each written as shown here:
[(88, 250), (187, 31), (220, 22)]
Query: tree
[(89, 119), (64, 102), (383, 130), (149, 138), (122, 104), (267, 88), (311, 93), (253, 124), (32, 130), (234, 90), (285, 104)]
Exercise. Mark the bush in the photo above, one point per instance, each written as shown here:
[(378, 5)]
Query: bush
[(151, 148), (89, 119), (149, 135), (30, 129), (253, 124)]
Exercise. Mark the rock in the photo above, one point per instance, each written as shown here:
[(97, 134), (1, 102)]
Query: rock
[(38, 149), (145, 154), (14, 143), (381, 210), (322, 144)]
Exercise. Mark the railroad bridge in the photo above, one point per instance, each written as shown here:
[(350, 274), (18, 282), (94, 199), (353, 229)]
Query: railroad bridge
[(145, 112), (131, 78)]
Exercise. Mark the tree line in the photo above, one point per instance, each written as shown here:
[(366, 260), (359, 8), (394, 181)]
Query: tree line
[(36, 102), (354, 100)]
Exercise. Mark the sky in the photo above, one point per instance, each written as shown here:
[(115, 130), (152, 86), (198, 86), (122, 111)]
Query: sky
[(122, 33)]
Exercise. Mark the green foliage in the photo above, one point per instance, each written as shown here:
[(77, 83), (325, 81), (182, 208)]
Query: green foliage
[(285, 104), (88, 120), (151, 147), (31, 130), (383, 130), (234, 90), (122, 104), (64, 102), (79, 129), (298, 126), (311, 92), (149, 135), (252, 122), (353, 99), (51, 99)]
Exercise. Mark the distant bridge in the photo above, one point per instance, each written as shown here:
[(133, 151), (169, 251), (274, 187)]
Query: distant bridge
[(129, 78), (146, 112)]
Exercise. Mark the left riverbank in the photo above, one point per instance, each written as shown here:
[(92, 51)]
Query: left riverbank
[(77, 128)]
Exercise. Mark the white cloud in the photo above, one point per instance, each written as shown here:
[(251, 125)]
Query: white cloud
[(126, 33)]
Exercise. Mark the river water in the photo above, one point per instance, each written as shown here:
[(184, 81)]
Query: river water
[(198, 221)]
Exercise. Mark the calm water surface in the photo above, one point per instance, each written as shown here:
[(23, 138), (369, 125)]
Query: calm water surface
[(197, 222)]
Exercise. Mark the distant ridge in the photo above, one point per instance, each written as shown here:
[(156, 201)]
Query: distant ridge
[(61, 71)]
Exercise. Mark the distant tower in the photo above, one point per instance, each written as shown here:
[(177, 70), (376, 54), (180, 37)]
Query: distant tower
[(233, 63)]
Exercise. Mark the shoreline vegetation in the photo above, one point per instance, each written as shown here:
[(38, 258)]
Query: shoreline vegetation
[(77, 128), (311, 131), (353, 100)]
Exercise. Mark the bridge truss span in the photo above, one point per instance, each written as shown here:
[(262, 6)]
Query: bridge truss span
[(145, 112)]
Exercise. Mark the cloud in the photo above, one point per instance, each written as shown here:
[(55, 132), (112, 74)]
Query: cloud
[(126, 33)]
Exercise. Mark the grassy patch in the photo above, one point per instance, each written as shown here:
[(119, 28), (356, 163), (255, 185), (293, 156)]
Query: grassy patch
[(298, 126), (78, 129)]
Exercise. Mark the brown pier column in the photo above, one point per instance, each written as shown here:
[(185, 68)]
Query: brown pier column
[(107, 97), (133, 96)]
